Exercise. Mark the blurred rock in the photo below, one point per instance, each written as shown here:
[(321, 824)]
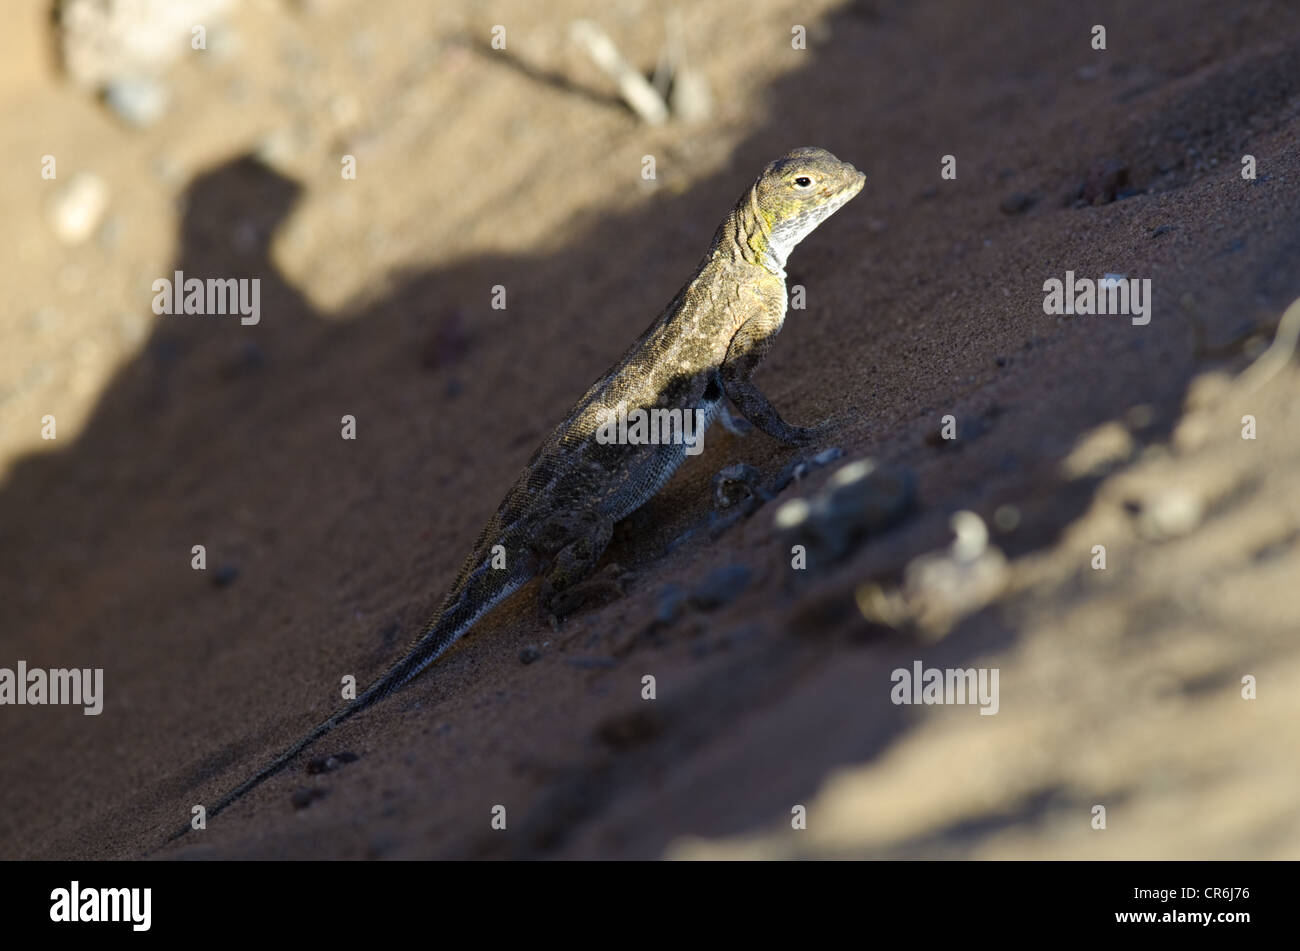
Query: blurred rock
[(78, 207), (940, 589), (1016, 204), (1170, 513), (720, 587), (105, 40), (1104, 181), (137, 102), (304, 797), (328, 764), (1098, 451), (670, 603), (735, 484), (860, 499)]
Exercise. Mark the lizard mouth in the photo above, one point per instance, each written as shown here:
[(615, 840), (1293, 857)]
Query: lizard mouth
[(845, 192), (838, 198)]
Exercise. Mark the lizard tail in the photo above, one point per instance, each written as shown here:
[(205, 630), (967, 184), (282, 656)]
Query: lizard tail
[(476, 593)]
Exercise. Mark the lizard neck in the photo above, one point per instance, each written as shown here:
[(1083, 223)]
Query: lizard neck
[(746, 237)]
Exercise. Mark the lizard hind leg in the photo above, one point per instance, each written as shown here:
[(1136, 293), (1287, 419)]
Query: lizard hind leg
[(570, 583)]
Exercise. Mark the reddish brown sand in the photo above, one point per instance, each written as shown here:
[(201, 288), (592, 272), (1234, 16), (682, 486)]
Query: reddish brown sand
[(924, 299)]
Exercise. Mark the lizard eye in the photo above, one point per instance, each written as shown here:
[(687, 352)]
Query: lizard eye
[(803, 181)]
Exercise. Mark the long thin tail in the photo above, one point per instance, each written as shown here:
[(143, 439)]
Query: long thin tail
[(477, 593)]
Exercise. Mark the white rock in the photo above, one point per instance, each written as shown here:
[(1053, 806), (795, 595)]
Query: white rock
[(103, 40), (137, 101), (78, 207)]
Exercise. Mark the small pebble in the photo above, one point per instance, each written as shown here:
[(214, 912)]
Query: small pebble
[(735, 484), (137, 102), (1017, 204), (327, 764), (669, 607), (1104, 181), (224, 575), (78, 207), (720, 587), (302, 798)]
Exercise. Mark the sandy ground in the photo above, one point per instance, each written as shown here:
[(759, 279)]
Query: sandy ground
[(1119, 687)]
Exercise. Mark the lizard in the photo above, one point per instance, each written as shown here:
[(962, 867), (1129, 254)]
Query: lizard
[(558, 517)]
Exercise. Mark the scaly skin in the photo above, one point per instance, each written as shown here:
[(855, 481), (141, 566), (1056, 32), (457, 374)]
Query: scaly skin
[(558, 517)]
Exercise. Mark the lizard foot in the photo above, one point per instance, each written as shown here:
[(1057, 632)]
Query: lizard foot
[(557, 603), (734, 423), (803, 435)]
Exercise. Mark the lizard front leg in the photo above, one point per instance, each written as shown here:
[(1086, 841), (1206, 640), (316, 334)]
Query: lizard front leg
[(747, 349)]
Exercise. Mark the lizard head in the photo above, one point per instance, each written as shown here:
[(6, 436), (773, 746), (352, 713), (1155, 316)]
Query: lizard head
[(798, 192)]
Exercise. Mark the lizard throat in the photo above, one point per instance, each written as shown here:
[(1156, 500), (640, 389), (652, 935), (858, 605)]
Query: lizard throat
[(789, 231), (751, 234), (764, 239)]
